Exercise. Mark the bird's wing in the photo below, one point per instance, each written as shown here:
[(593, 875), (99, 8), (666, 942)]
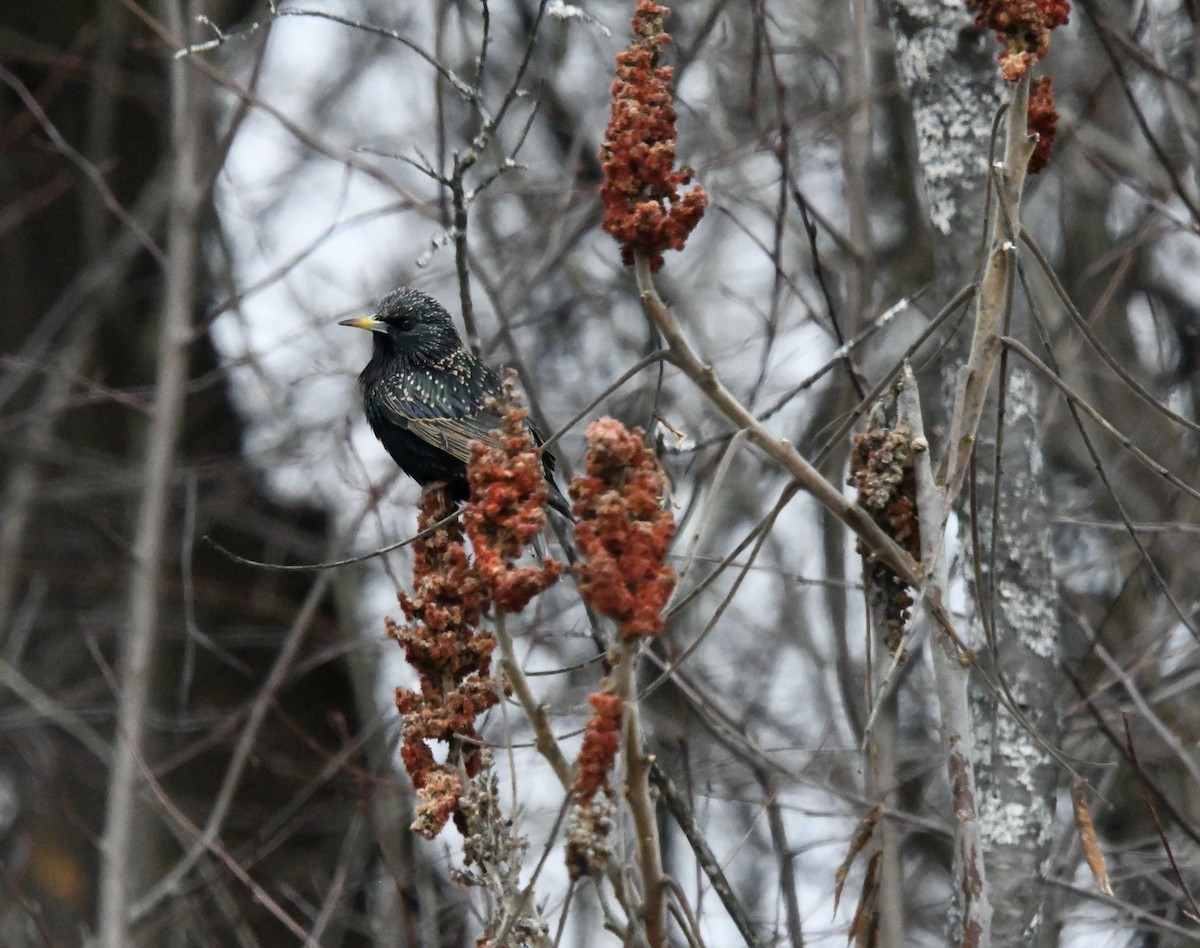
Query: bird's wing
[(447, 408), (454, 435), (444, 410)]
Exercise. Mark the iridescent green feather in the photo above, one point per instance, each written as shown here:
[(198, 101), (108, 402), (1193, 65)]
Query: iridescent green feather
[(444, 403)]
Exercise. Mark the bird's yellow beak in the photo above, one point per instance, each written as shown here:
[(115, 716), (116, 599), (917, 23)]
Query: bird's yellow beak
[(365, 322)]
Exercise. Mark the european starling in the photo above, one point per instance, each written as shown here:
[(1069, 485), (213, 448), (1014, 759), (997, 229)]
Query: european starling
[(425, 395)]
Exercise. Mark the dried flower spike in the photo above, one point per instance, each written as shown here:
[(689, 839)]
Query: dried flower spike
[(442, 637), (601, 740), (588, 832), (1023, 27), (506, 510), (622, 530), (492, 855), (1043, 119), (591, 814), (642, 208), (881, 468), (444, 645)]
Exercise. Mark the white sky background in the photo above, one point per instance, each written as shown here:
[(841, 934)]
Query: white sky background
[(321, 242)]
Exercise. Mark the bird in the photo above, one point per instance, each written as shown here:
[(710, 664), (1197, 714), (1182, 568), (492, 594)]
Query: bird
[(426, 396)]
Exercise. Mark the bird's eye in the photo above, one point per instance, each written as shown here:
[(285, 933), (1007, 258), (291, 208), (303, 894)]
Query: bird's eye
[(404, 324)]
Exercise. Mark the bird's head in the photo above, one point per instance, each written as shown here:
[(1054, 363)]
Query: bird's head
[(409, 324)]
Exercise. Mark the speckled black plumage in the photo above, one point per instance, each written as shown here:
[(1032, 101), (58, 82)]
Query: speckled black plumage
[(425, 395)]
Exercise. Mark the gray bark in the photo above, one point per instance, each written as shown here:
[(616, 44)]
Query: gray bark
[(1019, 601), (953, 82)]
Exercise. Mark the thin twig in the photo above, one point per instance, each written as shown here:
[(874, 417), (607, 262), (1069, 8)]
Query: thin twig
[(951, 677), (463, 88), (89, 170), (637, 795), (331, 564), (678, 807), (545, 741), (120, 868), (993, 299), (1109, 359), (1162, 833), (837, 439), (1075, 399), (779, 450), (652, 359)]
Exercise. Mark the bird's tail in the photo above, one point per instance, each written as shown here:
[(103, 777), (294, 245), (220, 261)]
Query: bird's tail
[(558, 502)]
